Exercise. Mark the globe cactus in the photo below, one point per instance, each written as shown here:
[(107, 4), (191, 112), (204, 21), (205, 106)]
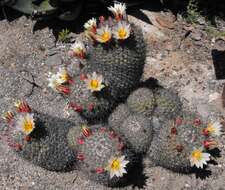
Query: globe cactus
[(91, 105), (142, 101), (120, 62), (117, 117), (136, 131), (181, 144), (168, 104), (39, 138), (103, 158)]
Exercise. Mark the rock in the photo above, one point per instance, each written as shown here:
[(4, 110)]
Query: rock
[(220, 44), (54, 60), (201, 20), (151, 32), (214, 96), (197, 35), (162, 20), (203, 110), (15, 84)]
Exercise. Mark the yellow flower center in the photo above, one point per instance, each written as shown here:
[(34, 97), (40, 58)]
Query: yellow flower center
[(122, 33), (94, 84), (197, 154), (64, 77), (18, 103), (28, 126), (115, 165), (210, 128), (78, 50), (105, 37)]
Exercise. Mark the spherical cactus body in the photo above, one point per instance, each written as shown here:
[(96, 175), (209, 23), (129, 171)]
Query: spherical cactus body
[(142, 101), (120, 62), (136, 131), (90, 105), (172, 147), (117, 117), (40, 138), (168, 104), (104, 158), (49, 149)]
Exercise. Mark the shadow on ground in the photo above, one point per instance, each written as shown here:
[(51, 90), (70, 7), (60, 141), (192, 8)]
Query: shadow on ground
[(136, 177), (219, 63)]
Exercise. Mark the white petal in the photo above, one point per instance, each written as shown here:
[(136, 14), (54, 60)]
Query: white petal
[(102, 86), (88, 76), (111, 174), (122, 158), (117, 173), (192, 162), (201, 164), (100, 78), (94, 75), (206, 156), (124, 163), (123, 171)]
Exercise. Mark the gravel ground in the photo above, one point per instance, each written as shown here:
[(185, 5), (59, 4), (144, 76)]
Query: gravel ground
[(183, 62)]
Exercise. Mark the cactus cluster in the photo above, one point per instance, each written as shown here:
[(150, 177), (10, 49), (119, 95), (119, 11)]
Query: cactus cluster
[(111, 65), (113, 117)]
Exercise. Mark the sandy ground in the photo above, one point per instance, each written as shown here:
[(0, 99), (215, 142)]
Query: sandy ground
[(184, 63)]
